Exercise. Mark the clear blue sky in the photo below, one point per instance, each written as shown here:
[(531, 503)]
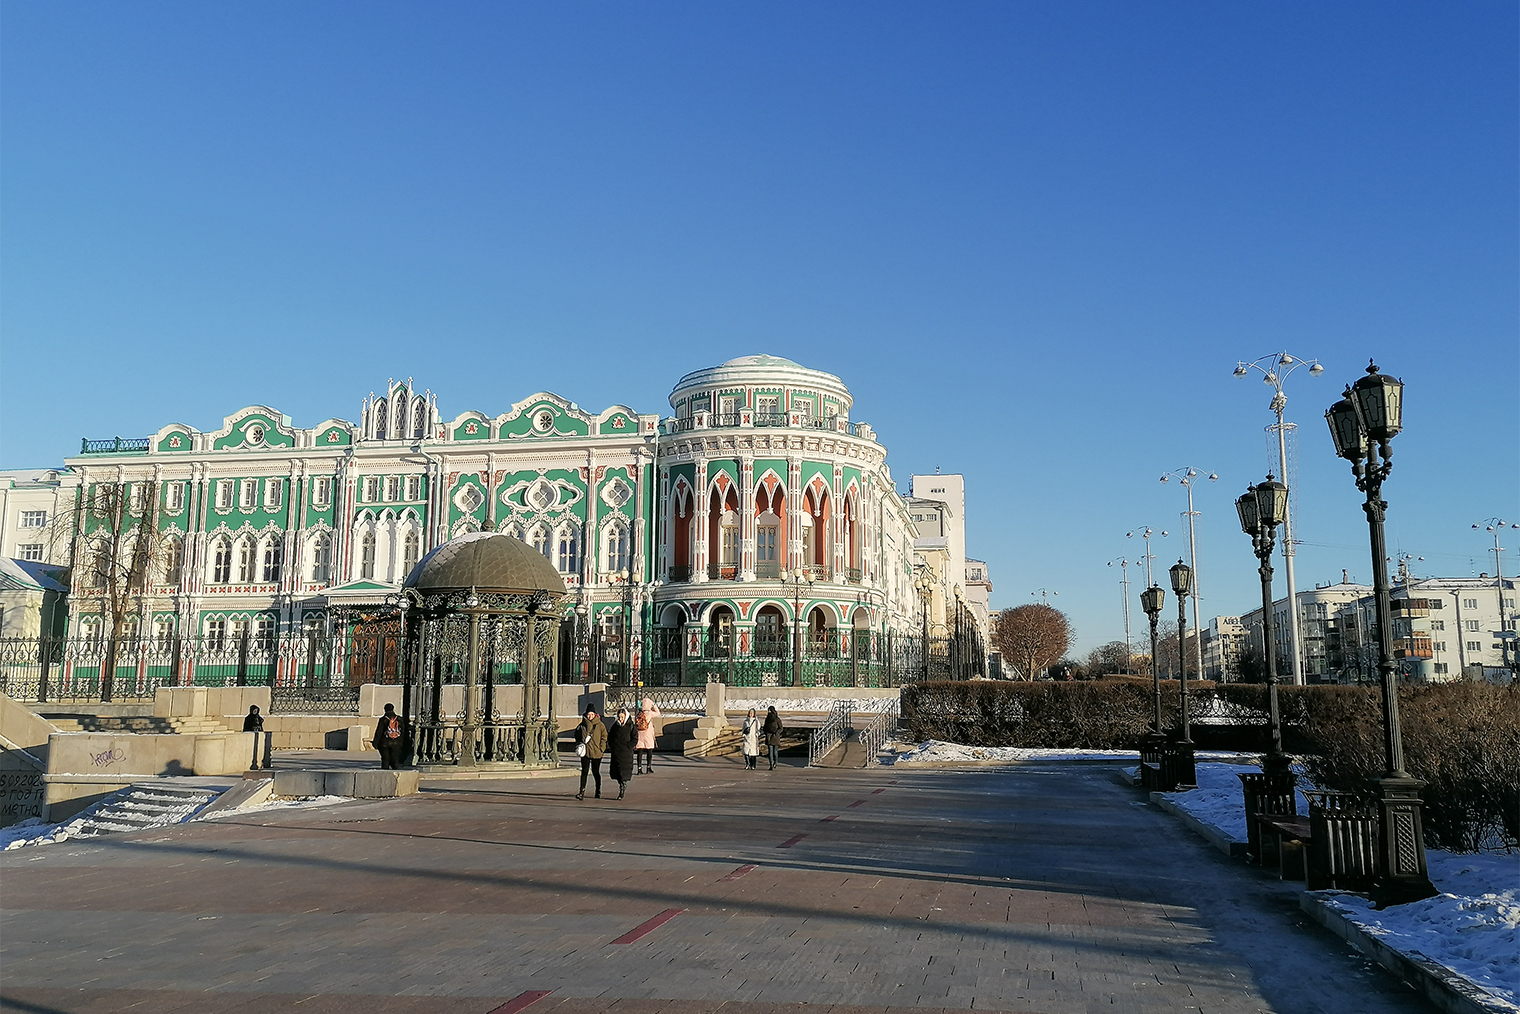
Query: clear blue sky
[(1033, 238)]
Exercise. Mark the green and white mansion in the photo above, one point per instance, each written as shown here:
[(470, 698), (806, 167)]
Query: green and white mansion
[(758, 505)]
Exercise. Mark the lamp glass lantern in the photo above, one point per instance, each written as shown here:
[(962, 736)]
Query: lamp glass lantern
[(1271, 503), (1379, 402), (1245, 506), (1152, 599), (1346, 429), (1182, 578)]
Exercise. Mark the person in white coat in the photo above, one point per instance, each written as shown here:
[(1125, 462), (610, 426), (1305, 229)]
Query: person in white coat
[(751, 747)]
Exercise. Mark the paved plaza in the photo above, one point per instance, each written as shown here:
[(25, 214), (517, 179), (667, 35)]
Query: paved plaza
[(1048, 888)]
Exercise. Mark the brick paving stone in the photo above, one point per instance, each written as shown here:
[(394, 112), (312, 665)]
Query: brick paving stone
[(1041, 889)]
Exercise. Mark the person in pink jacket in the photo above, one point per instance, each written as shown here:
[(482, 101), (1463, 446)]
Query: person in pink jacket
[(643, 747)]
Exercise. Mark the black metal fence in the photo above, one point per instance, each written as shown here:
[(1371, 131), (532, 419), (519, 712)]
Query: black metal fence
[(304, 671)]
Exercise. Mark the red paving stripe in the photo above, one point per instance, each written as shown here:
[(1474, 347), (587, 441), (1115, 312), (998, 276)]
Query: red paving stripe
[(522, 1000), (794, 839), (647, 927), (832, 816), (875, 791), (736, 874), (857, 802)]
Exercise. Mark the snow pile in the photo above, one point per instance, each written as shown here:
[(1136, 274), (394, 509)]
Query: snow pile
[(936, 751), (786, 704), (33, 831), (1472, 927), (278, 804)]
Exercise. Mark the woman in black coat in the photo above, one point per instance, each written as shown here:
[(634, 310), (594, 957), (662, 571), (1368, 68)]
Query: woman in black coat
[(772, 730), (621, 737)]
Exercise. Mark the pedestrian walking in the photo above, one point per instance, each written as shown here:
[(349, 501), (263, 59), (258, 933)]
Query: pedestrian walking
[(621, 736), (752, 733), (390, 738), (772, 729), (590, 744), (254, 723), (643, 750)]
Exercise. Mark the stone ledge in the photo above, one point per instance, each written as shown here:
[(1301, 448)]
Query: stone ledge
[(1215, 836), (1447, 989), (374, 783)]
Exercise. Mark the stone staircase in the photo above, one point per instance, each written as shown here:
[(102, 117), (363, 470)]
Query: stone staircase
[(139, 807), (139, 724), (713, 737)]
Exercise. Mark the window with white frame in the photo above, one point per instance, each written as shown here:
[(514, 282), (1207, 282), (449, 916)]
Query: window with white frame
[(174, 497), (1474, 645), (321, 559), (414, 488), (321, 491), (540, 540), (1437, 624), (224, 494), (274, 493), (393, 488), (216, 633), (250, 494), (238, 629), (409, 552), (245, 557), (568, 557), (1440, 646), (372, 489), (33, 519), (1470, 624), (274, 554), (767, 404), (163, 631), (617, 549), (135, 497), (1469, 603), (263, 634), (367, 557), (30, 551), (1440, 668), (221, 561), (173, 559)]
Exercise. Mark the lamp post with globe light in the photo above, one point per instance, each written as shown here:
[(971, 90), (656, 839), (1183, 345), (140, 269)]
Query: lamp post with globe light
[(1151, 600), (1261, 509), (1497, 526), (1182, 583), (1275, 369), (798, 580), (1186, 477), (1363, 424), (1145, 532)]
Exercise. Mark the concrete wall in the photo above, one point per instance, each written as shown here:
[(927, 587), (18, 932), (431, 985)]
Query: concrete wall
[(84, 767)]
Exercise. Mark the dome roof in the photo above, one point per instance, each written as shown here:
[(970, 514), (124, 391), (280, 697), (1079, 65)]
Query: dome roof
[(762, 360), (485, 561), (761, 371)]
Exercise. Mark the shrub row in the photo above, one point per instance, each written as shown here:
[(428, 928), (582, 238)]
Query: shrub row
[(1463, 739)]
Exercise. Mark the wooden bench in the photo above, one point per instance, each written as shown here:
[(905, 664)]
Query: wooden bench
[(1285, 839)]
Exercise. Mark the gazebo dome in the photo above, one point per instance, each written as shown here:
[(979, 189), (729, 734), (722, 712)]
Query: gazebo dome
[(485, 561)]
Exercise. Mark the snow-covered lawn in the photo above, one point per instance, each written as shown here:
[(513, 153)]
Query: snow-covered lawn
[(1472, 927), (936, 751)]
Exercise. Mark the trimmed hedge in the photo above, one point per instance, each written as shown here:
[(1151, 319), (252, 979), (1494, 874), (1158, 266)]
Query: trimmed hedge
[(1463, 738)]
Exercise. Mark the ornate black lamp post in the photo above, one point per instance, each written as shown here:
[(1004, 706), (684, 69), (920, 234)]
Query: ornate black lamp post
[(1363, 425), (798, 579), (1262, 508), (1182, 584), (1151, 600)]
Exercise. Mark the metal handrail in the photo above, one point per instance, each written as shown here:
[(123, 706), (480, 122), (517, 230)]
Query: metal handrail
[(881, 723), (831, 733)]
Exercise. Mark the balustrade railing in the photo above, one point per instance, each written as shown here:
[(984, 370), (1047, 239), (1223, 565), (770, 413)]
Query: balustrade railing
[(831, 733)]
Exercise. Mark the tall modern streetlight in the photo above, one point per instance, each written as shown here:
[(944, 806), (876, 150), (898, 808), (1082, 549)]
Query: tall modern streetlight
[(1145, 532), (1185, 476), (1043, 594), (1124, 563), (1275, 369), (1182, 583), (1363, 425), (1261, 509), (1497, 526), (1151, 600)]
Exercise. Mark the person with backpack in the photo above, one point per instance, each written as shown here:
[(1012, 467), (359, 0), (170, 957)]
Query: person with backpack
[(390, 738), (772, 730), (643, 750)]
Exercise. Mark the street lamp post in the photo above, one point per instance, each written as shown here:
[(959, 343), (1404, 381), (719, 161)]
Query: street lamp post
[(1145, 532), (924, 583), (1261, 509), (1497, 526), (1182, 582), (583, 637), (1279, 365), (797, 579), (1363, 425), (1185, 476), (1124, 583), (1151, 600)]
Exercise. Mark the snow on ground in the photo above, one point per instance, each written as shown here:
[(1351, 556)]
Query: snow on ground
[(798, 703), (936, 751), (279, 804), (1472, 927), (33, 831)]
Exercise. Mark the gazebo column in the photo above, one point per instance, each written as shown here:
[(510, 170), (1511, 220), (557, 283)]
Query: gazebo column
[(469, 729)]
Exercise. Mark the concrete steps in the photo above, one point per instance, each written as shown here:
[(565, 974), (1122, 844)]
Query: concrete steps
[(139, 807)]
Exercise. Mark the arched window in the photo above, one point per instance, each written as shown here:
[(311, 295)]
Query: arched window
[(419, 419), (540, 540), (398, 416), (380, 407), (770, 633), (720, 631), (221, 561), (409, 553), (216, 633), (321, 559), (274, 554), (680, 563), (173, 560), (367, 557), (245, 556), (567, 555), (617, 549)]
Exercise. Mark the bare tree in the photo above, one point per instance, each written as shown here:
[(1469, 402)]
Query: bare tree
[(117, 546), (1108, 658), (1032, 637)]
